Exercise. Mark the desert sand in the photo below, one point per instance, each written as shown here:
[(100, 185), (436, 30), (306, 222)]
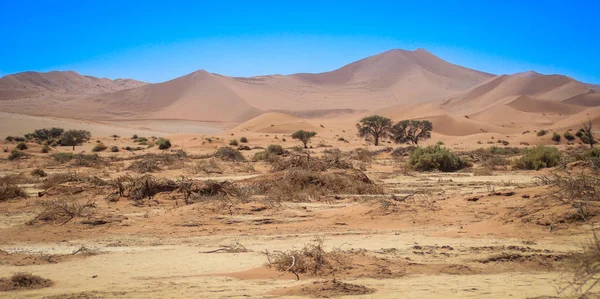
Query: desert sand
[(476, 233)]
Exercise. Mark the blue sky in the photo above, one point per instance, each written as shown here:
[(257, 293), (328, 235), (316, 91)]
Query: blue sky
[(157, 41)]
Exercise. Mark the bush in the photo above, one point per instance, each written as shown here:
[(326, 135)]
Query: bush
[(21, 146), (163, 143), (39, 172), (135, 136), (435, 158), (63, 157), (569, 136), (24, 281), (229, 154), (45, 149), (504, 150), (233, 142), (542, 132), (537, 158), (114, 149), (9, 190), (64, 209), (275, 149), (403, 151), (556, 137), (244, 140), (265, 156), (99, 147), (16, 154), (87, 160)]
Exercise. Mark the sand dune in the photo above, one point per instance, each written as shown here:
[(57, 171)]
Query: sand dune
[(533, 105), (542, 87), (575, 121), (590, 98), (274, 122), (63, 82)]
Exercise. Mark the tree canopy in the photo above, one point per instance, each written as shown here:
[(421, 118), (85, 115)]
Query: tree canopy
[(304, 136), (374, 127), (411, 131), (75, 137)]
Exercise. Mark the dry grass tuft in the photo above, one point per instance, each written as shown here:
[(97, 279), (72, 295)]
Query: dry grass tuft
[(9, 188), (63, 209)]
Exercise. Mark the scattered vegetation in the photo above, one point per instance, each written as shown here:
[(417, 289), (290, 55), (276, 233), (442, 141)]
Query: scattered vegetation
[(556, 137), (542, 132), (537, 158), (10, 190), (16, 154), (38, 172), (244, 140), (21, 146)]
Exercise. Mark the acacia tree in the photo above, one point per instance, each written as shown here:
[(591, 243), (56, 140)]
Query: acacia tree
[(411, 131), (304, 136), (374, 127), (75, 137)]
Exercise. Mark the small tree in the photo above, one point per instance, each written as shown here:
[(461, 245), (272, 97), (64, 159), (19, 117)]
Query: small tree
[(587, 136), (304, 136), (374, 127), (411, 131), (75, 137), (556, 137)]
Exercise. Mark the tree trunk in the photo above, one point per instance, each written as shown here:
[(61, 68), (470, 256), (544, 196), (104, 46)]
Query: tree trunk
[(73, 148), (377, 141)]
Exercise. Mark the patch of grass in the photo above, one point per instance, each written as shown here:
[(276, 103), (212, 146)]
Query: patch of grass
[(537, 158), (436, 158), (63, 157)]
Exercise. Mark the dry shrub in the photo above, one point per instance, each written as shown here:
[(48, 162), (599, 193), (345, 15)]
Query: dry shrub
[(145, 165), (9, 191), (581, 191), (88, 160), (312, 259), (299, 185), (61, 178), (23, 280), (586, 270), (363, 155), (63, 209), (207, 166), (38, 172), (155, 162), (333, 159), (147, 186), (327, 289), (229, 154)]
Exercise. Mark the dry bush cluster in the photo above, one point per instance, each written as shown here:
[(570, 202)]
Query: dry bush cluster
[(579, 190), (61, 178), (63, 209), (586, 270), (312, 259), (156, 162), (23, 281), (10, 191)]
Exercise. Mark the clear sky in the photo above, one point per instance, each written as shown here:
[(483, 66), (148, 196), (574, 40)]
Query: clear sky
[(156, 41)]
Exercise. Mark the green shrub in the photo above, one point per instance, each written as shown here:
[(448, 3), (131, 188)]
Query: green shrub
[(63, 157), (99, 147), (141, 140), (21, 146), (537, 158), (229, 154), (435, 158), (542, 132), (234, 142), (45, 149), (275, 149), (15, 154), (114, 149), (569, 136), (135, 136), (163, 143), (244, 140), (504, 150), (265, 156), (89, 160), (556, 137)]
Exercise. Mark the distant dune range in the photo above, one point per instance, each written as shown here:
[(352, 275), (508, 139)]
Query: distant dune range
[(399, 84)]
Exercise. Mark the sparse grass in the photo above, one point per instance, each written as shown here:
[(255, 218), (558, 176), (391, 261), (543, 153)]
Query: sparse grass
[(537, 158), (61, 178), (207, 166), (63, 157), (363, 155), (23, 281)]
